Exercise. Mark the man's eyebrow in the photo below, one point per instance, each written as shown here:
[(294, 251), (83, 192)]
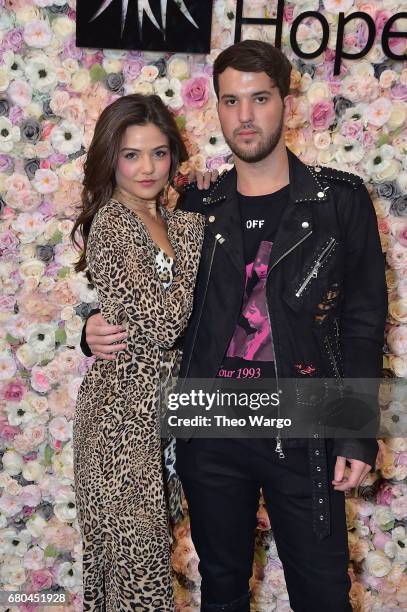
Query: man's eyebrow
[(163, 146), (256, 93)]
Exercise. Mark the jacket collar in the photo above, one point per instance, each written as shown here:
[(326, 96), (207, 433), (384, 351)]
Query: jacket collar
[(223, 215), (305, 183)]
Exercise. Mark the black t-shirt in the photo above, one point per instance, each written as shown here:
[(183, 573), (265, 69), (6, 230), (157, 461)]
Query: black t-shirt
[(250, 354)]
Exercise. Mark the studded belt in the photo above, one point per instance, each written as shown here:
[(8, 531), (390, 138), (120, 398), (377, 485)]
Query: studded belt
[(321, 519)]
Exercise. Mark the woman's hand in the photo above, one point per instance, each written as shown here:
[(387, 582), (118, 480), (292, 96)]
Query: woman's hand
[(104, 340)]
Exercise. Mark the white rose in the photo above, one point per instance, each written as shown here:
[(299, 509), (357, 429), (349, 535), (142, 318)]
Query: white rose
[(36, 524), (398, 115), (32, 268), (377, 564), (63, 27), (178, 68), (383, 515), (322, 140), (80, 80), (12, 462), (318, 91), (33, 470), (112, 65), (26, 356)]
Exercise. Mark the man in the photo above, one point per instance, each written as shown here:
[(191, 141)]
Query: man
[(291, 284)]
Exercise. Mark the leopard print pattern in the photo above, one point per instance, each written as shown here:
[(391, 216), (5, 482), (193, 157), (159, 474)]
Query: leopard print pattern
[(118, 462)]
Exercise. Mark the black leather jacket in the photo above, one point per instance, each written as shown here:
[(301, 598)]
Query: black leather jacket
[(326, 287)]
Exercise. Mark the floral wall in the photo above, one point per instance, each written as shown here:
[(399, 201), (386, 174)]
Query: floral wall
[(51, 93)]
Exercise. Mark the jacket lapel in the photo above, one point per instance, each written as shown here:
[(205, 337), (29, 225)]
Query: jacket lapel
[(223, 219), (223, 215)]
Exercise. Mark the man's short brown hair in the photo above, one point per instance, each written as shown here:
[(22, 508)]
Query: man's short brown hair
[(255, 56)]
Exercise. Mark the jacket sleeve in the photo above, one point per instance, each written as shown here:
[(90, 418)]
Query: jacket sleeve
[(364, 309), (132, 294)]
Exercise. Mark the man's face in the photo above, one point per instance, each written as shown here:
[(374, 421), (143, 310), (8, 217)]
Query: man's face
[(251, 113)]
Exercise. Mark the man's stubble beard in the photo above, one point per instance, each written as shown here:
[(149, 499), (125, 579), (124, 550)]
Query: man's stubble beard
[(263, 149)]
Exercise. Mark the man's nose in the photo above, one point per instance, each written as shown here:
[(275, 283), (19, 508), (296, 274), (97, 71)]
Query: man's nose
[(246, 111)]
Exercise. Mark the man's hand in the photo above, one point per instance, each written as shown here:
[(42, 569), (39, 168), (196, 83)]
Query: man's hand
[(357, 474), (101, 337), (203, 180)]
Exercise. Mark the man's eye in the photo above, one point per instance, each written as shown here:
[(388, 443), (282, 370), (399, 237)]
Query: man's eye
[(231, 102), (261, 99)]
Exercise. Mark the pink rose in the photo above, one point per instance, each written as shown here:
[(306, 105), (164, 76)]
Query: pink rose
[(7, 303), (380, 539), (195, 92), (381, 18), (384, 495), (352, 130), (14, 391), (322, 115), (28, 511), (39, 381), (30, 496), (7, 432), (402, 236), (41, 579)]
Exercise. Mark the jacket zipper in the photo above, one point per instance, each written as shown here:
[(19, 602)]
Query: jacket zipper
[(315, 269), (218, 239), (332, 356), (279, 445)]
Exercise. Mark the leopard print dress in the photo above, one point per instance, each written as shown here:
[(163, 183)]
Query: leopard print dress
[(118, 460)]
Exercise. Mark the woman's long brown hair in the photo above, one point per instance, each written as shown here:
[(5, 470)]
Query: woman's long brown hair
[(100, 165)]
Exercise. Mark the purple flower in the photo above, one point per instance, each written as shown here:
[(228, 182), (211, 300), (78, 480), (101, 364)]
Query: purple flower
[(6, 163), (132, 68), (16, 115), (399, 92), (14, 40), (8, 243), (71, 50)]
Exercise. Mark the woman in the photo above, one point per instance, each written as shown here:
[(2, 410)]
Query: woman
[(142, 262)]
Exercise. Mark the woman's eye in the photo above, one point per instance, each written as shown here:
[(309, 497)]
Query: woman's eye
[(161, 154), (130, 155)]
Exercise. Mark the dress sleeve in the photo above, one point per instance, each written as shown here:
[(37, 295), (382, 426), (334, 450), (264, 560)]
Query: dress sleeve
[(129, 290)]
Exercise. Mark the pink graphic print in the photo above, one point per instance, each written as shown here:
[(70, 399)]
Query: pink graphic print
[(252, 337)]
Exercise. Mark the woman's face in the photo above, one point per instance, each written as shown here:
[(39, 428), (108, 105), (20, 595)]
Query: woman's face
[(144, 161)]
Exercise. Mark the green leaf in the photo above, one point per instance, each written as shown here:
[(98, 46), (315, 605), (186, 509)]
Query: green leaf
[(260, 556), (11, 340), (56, 237), (97, 73), (388, 526), (50, 551), (383, 139), (63, 272), (48, 454), (60, 336), (181, 122)]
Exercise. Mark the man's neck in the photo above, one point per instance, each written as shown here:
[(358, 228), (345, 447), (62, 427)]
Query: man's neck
[(264, 177)]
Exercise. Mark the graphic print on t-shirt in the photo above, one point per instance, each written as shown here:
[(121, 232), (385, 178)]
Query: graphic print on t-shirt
[(252, 337)]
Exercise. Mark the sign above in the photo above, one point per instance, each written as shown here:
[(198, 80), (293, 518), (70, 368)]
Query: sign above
[(182, 26)]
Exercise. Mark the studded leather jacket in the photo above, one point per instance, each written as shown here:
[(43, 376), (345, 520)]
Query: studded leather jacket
[(326, 289)]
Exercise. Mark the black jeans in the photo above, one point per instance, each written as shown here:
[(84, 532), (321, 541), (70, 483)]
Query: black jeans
[(222, 480)]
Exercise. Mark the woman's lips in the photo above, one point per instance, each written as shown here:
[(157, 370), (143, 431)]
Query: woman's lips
[(148, 183)]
